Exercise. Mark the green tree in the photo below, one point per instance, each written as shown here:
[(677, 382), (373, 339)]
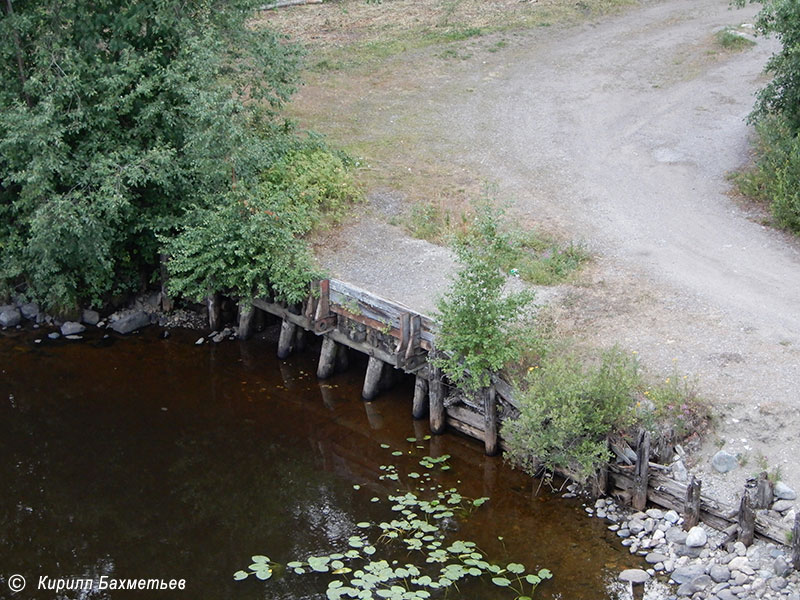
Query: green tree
[(775, 177), (477, 319), (118, 117)]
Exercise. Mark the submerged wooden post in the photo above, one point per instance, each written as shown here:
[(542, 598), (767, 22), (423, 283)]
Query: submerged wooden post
[(213, 303), (327, 358), (372, 379), (640, 475), (419, 409), (342, 358), (436, 402), (286, 339), (299, 339), (246, 312), (764, 491), (490, 421), (691, 506), (796, 542), (747, 520)]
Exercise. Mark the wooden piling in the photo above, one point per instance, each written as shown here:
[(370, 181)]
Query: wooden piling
[(372, 379), (286, 339), (246, 313), (436, 411), (796, 542), (600, 483), (747, 520), (214, 305), (691, 506), (639, 500), (300, 339), (419, 409), (342, 358), (764, 491), (490, 442), (327, 358)]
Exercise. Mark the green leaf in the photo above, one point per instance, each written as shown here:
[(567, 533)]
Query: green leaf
[(533, 579), (515, 568), (263, 574), (501, 581), (239, 575)]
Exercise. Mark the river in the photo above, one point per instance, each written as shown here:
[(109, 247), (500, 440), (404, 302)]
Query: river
[(142, 457)]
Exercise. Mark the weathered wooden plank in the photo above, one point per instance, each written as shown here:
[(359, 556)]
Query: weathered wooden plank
[(641, 471), (490, 421), (355, 300), (747, 520), (691, 510), (465, 415), (436, 412), (284, 313), (464, 428)]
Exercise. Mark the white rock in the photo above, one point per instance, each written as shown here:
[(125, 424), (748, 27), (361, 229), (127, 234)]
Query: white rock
[(697, 537), (784, 492)]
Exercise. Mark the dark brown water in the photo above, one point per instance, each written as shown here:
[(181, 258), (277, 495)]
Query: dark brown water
[(149, 458)]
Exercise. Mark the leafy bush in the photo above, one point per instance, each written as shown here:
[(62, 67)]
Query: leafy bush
[(252, 243), (568, 410), (775, 178), (477, 319)]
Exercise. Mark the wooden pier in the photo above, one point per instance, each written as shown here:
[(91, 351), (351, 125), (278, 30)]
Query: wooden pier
[(398, 339)]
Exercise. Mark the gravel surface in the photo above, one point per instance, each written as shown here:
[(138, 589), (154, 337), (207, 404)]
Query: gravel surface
[(621, 133)]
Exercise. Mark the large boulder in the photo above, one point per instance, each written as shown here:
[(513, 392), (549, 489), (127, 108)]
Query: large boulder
[(724, 462), (10, 316), (128, 322), (29, 310), (90, 317)]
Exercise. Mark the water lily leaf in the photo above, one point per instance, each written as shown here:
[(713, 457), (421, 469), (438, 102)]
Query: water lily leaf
[(445, 467), (300, 571), (474, 571), (479, 501), (427, 437), (524, 598), (370, 550), (413, 475), (501, 581), (545, 574), (515, 568), (294, 564), (363, 525), (239, 575), (375, 499), (533, 579), (411, 439), (342, 571), (385, 446), (335, 584), (356, 487), (260, 558), (263, 574), (336, 564), (397, 453)]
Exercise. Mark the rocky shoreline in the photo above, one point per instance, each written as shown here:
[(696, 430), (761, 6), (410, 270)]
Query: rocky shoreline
[(700, 563)]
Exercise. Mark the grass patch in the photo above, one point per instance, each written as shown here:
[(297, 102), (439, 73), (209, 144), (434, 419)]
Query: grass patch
[(733, 40), (532, 255)]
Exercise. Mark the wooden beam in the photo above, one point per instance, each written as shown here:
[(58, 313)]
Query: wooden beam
[(641, 471), (490, 421), (691, 508)]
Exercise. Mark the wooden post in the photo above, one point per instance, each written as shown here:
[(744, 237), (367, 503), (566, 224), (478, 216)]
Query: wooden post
[(286, 339), (796, 542), (327, 358), (747, 520), (490, 445), (372, 379), (600, 483), (640, 476), (246, 312), (691, 505), (342, 358), (419, 409), (299, 339), (389, 377), (763, 497), (436, 402), (213, 303)]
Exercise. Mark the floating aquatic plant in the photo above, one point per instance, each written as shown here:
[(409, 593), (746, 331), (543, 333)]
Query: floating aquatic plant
[(364, 571)]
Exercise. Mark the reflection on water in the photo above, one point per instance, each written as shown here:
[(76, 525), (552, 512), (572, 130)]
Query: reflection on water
[(150, 458)]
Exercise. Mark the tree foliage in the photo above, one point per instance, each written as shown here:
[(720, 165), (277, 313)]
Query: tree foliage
[(775, 177), (118, 117), (477, 319)]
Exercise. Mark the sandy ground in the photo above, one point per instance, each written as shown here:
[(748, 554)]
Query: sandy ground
[(620, 133)]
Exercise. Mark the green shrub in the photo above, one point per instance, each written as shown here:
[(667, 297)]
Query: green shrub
[(775, 178), (476, 318), (733, 40), (567, 411)]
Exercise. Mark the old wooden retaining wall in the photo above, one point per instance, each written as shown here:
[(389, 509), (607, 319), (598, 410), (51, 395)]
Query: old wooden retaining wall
[(399, 339)]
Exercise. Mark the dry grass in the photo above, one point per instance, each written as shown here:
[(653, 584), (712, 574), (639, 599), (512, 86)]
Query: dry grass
[(347, 33)]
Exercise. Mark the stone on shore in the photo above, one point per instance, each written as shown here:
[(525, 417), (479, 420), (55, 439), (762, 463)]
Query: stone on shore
[(697, 537), (129, 322), (634, 576), (724, 462), (29, 310), (90, 317), (10, 316), (784, 492), (72, 328)]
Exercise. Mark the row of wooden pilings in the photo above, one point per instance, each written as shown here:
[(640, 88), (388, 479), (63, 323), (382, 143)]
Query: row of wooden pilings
[(429, 388)]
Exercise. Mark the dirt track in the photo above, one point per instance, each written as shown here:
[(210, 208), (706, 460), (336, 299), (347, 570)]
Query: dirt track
[(620, 133)]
